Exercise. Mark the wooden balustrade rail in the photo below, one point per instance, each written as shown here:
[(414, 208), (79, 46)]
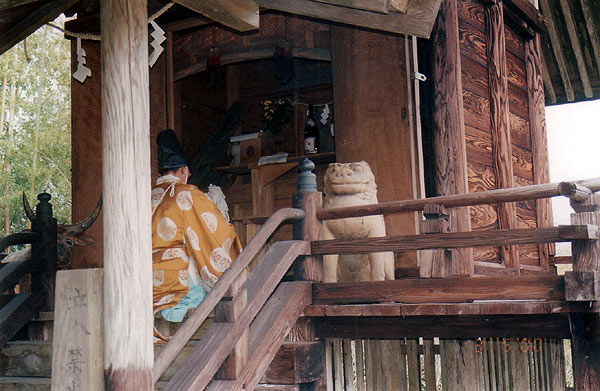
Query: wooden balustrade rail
[(563, 233), (187, 330), (512, 194), (18, 238)]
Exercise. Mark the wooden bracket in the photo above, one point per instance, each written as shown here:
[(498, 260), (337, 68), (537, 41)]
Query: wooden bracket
[(436, 219), (582, 285)]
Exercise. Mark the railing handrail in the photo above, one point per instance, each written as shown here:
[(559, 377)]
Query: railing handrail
[(18, 238), (187, 330), (512, 194)]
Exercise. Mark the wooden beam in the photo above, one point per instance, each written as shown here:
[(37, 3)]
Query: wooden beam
[(128, 323), (449, 135), (558, 52), (240, 15), (592, 28), (418, 19), (539, 142), (8, 4), (187, 23), (522, 193), (506, 307), (296, 362), (549, 87), (585, 347), (576, 46), (20, 310), (463, 327), (500, 124), (255, 53), (582, 286), (441, 290), (381, 6), (563, 233), (46, 12), (529, 13), (11, 272)]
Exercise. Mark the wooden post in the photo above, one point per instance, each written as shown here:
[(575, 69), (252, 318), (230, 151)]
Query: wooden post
[(44, 251), (539, 143), (128, 350), (500, 124), (585, 339), (449, 131)]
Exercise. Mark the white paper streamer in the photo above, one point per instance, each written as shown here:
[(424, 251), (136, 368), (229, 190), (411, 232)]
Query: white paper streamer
[(82, 71), (159, 37)]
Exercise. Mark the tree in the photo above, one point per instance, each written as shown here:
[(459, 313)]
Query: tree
[(35, 128)]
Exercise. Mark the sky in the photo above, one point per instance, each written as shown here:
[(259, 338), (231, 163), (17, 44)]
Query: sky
[(573, 150)]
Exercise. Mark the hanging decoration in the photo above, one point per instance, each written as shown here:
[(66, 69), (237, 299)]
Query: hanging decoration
[(158, 34), (159, 37), (82, 71)]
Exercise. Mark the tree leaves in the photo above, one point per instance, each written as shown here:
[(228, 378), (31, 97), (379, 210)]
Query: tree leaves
[(51, 84)]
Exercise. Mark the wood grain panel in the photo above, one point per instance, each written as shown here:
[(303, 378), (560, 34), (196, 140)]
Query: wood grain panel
[(526, 216), (529, 255), (471, 12), (479, 149), (485, 254), (519, 132), (474, 77), (518, 101), (481, 178), (522, 163), (514, 43), (516, 71), (477, 110), (484, 217), (472, 43), (519, 182)]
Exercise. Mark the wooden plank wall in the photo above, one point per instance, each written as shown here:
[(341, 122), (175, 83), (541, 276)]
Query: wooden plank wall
[(478, 129), (521, 364)]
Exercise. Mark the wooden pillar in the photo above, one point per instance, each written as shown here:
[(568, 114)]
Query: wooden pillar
[(585, 339), (539, 142), (86, 146), (500, 124), (128, 350), (449, 134), (44, 251), (372, 121), (458, 358)]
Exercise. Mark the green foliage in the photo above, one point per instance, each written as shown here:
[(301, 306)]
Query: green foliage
[(39, 70)]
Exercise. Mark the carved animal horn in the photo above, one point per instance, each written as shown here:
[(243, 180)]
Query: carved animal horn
[(28, 211), (78, 228)]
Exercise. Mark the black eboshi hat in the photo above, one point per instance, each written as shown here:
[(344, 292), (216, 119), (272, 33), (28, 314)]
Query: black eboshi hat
[(170, 154)]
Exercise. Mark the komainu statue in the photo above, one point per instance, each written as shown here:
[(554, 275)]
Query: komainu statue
[(346, 185)]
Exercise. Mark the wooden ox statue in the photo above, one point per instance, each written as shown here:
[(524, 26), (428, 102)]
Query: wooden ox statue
[(69, 235)]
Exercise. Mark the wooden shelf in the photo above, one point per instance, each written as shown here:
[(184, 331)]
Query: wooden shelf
[(244, 169)]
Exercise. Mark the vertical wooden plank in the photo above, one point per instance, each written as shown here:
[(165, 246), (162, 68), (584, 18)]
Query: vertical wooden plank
[(338, 365), (369, 365), (378, 365), (169, 81), (491, 350), (500, 124), (372, 122), (429, 363), (360, 365), (391, 362), (459, 371), (449, 133), (539, 142), (556, 363), (412, 361), (329, 364), (348, 365), (519, 366), (86, 141), (77, 347), (309, 267), (128, 354)]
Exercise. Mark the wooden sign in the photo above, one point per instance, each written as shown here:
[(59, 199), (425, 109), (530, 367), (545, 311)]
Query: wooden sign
[(77, 361)]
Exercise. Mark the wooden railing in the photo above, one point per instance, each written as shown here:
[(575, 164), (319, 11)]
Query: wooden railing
[(576, 190), (41, 265), (186, 331)]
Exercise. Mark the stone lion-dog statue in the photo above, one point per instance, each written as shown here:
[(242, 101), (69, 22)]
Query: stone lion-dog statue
[(346, 185)]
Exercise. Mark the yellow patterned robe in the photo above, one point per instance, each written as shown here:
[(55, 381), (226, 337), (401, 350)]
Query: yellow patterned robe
[(191, 241)]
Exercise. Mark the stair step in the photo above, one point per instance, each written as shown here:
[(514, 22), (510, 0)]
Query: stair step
[(25, 383)]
